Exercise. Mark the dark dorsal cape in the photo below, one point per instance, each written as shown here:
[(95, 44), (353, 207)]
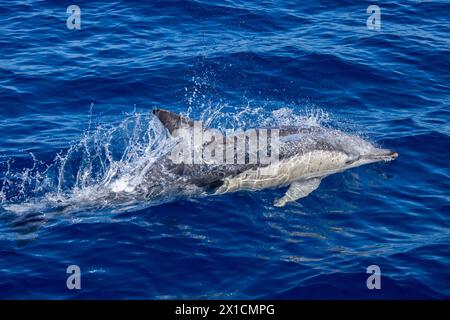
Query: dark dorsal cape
[(204, 175), (173, 121)]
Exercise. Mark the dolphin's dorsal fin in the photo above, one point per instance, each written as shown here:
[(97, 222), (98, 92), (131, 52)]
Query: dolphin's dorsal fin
[(171, 120)]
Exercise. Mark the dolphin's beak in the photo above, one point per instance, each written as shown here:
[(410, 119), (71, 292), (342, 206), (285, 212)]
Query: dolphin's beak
[(393, 155), (382, 154)]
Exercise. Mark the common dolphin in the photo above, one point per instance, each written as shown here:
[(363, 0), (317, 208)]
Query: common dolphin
[(301, 157), (306, 155)]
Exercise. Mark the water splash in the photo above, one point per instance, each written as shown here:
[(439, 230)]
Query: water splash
[(110, 155), (109, 167)]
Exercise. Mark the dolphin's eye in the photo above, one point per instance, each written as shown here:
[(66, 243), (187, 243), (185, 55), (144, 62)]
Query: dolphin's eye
[(352, 159)]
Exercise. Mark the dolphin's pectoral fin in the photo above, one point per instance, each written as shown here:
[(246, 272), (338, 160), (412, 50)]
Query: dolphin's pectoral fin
[(297, 190)]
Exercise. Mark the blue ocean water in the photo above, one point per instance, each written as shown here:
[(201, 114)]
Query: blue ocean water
[(68, 97)]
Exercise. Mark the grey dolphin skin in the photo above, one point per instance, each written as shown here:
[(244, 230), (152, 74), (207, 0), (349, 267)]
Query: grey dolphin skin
[(306, 155)]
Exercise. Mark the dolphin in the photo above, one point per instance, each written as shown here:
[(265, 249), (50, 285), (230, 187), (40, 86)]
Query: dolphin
[(306, 155), (301, 157)]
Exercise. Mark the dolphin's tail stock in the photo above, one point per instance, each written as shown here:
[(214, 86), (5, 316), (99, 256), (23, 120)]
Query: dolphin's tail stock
[(25, 225)]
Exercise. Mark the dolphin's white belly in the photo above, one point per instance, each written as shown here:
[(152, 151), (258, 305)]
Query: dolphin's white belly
[(313, 164)]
